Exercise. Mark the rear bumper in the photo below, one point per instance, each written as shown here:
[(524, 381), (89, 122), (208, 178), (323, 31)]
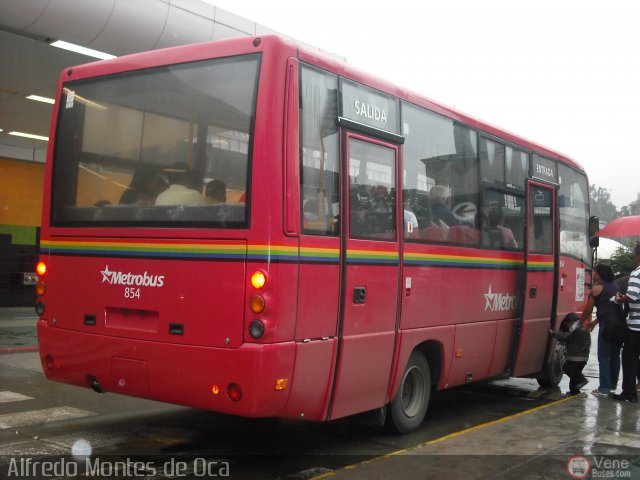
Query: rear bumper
[(181, 374)]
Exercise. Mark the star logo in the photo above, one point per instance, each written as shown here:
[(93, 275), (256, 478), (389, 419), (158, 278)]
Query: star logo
[(106, 274), (490, 299)]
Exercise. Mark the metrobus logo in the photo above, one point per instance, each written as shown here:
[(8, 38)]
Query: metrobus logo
[(139, 280), (500, 302)]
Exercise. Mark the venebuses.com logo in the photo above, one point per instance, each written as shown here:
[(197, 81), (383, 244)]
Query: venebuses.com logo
[(578, 467), (599, 467)]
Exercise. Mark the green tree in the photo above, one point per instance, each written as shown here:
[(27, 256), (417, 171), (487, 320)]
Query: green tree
[(601, 204), (632, 209), (622, 260)]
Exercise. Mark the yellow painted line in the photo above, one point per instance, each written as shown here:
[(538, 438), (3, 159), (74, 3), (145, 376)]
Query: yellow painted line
[(499, 420), (448, 437), (364, 462)]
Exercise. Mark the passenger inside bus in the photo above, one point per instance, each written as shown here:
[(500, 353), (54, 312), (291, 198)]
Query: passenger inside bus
[(410, 219), (382, 207), (360, 209), (180, 191), (440, 211), (216, 191), (145, 186), (498, 234), (314, 214)]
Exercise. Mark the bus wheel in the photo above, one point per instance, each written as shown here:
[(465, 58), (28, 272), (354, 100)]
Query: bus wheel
[(553, 371), (408, 409)]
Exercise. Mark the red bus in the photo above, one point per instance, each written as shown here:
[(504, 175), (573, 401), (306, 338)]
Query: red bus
[(250, 227)]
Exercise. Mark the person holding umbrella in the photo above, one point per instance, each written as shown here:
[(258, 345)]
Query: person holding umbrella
[(631, 344)]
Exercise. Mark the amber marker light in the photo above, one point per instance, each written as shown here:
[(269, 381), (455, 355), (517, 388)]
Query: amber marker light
[(215, 389), (281, 383), (41, 268), (257, 304), (41, 288), (258, 280)]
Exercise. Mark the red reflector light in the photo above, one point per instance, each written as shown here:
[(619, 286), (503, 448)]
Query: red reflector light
[(41, 268), (235, 392)]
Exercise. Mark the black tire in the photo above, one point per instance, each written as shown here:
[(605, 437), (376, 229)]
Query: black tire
[(553, 370), (407, 410)]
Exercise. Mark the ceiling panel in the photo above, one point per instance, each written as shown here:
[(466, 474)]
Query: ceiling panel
[(72, 24), (19, 14), (132, 27)]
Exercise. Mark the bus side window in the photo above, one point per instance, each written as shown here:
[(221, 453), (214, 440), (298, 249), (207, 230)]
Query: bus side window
[(320, 165), (440, 154), (541, 229)]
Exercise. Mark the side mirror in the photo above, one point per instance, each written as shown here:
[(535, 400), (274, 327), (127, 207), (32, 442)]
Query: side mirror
[(594, 227)]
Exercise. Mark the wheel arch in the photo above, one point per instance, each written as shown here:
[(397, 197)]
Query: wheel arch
[(433, 351)]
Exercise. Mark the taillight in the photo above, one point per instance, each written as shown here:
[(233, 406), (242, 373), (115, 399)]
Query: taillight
[(257, 304), (41, 268), (258, 280)]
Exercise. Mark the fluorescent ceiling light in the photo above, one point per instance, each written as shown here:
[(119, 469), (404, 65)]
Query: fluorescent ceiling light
[(38, 98), (83, 50), (29, 135)]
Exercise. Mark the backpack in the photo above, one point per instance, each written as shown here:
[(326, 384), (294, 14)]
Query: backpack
[(614, 324)]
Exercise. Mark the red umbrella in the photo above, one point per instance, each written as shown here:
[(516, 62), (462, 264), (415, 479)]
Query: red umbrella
[(621, 227)]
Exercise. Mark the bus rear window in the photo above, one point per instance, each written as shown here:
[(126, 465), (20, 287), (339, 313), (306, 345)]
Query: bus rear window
[(166, 146)]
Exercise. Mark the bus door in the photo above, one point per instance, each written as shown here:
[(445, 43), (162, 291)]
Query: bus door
[(370, 276), (540, 279)]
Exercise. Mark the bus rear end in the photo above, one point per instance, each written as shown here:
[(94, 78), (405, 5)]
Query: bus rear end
[(148, 240)]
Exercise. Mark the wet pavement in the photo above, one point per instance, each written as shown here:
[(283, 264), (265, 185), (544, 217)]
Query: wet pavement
[(18, 330), (583, 436)]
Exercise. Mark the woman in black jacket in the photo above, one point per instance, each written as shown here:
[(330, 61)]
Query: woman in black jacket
[(608, 353)]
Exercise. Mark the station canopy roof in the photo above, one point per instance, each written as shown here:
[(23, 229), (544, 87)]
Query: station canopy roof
[(31, 66)]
